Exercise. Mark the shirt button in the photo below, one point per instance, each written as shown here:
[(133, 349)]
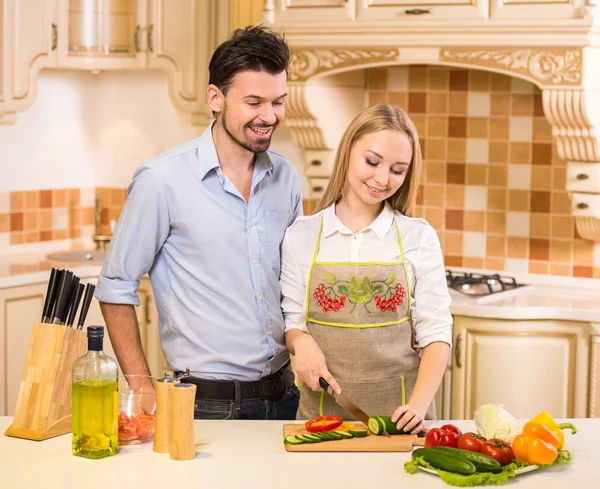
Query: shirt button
[(268, 333), (260, 297), (251, 223), (254, 260)]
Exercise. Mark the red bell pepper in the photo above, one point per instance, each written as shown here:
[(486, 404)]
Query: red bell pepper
[(323, 423)]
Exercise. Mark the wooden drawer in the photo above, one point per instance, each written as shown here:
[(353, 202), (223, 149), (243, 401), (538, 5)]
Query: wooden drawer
[(583, 177), (585, 205), (318, 163), (317, 187)]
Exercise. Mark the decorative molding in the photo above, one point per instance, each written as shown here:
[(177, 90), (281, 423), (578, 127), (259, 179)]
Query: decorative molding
[(568, 111), (543, 66), (594, 387), (306, 63), (304, 126)]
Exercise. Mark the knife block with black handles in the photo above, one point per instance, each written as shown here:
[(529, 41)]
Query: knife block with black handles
[(44, 404)]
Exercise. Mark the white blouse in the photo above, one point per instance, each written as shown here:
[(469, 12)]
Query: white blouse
[(430, 301)]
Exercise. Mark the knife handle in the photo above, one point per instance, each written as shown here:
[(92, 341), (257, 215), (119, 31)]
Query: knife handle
[(323, 383), (62, 296)]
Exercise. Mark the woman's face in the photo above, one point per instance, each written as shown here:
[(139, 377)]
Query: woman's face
[(379, 162)]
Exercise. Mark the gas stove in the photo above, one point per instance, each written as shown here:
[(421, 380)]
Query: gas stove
[(478, 284)]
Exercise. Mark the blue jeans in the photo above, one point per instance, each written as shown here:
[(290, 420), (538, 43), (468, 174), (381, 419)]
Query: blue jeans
[(284, 408)]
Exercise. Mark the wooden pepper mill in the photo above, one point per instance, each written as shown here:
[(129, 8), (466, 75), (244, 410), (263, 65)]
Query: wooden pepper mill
[(162, 431), (182, 446)]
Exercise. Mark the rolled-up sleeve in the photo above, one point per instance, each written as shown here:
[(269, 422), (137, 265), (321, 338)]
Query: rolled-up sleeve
[(141, 231), (293, 289), (431, 312)]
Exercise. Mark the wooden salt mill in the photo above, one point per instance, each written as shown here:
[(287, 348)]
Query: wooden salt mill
[(162, 431), (182, 446)]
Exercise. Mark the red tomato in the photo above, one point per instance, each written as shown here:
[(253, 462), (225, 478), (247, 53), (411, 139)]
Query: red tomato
[(499, 450), (433, 437), (471, 441), (452, 429), (449, 439)]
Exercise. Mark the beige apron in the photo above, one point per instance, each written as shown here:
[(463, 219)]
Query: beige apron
[(359, 314)]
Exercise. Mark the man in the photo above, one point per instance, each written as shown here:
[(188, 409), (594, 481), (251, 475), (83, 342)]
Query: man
[(206, 220)]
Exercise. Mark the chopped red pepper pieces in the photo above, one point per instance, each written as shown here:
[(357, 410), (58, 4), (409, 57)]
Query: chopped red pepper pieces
[(323, 423)]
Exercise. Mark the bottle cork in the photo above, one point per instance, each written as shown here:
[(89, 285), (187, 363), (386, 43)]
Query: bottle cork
[(182, 445), (162, 430)]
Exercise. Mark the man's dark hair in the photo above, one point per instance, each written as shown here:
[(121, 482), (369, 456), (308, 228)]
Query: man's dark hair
[(254, 48)]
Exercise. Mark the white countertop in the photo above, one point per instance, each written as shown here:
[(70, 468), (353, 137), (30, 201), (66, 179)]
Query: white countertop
[(251, 454)]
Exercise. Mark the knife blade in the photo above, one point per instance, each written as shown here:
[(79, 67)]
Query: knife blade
[(62, 296), (347, 404), (71, 299), (50, 295), (87, 300), (75, 305)]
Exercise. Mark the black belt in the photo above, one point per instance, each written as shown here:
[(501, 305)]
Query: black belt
[(270, 387)]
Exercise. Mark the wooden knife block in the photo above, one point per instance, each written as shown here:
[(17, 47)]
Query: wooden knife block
[(44, 404)]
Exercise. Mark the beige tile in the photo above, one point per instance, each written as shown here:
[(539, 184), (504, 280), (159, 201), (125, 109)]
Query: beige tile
[(496, 245), (455, 196), (59, 198), (495, 264), (562, 226), (4, 223), (17, 201), (436, 172), (559, 178), (32, 200), (477, 174), (478, 127), (561, 251), (498, 152), (457, 150), (419, 120), (518, 85), (475, 221), (500, 83), (437, 127), (436, 217), (539, 226), (479, 80), (436, 150), (496, 222), (497, 199), (520, 128), (542, 130), (520, 152), (397, 78), (45, 219), (438, 78), (437, 103), (454, 243), (473, 262), (583, 252), (30, 220), (457, 104), (521, 104), (499, 128), (417, 78), (561, 270), (434, 195), (377, 79), (539, 267), (17, 238), (497, 175), (379, 97), (518, 200), (397, 98), (500, 104), (561, 203), (541, 178), (518, 247)]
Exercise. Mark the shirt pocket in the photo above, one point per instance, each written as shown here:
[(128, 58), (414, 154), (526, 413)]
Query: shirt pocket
[(277, 223)]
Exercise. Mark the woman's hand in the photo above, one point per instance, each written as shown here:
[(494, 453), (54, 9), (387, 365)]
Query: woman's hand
[(409, 419), (310, 363)]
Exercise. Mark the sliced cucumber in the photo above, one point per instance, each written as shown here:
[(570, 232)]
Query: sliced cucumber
[(334, 435), (311, 438), (322, 436), (302, 439), (292, 440), (358, 433), (343, 434)]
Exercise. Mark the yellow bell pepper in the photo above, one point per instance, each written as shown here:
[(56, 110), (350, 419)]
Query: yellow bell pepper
[(537, 430), (533, 450), (547, 420)]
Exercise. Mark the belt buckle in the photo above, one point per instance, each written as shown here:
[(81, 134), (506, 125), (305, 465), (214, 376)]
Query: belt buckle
[(270, 390)]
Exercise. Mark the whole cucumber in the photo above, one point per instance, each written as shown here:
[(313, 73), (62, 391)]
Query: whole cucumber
[(377, 424), (482, 463), (445, 461)]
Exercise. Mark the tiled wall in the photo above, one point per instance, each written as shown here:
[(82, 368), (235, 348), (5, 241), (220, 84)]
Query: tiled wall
[(45, 215), (494, 187)]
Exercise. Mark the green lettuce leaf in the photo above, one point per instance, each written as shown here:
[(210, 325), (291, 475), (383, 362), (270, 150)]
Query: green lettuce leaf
[(480, 478)]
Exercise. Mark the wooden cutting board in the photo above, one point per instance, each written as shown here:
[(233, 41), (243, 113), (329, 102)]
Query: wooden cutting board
[(370, 443)]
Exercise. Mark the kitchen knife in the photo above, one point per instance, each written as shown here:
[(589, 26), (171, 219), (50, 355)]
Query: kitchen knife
[(50, 294), (87, 300), (62, 297), (72, 293), (75, 305), (347, 404)]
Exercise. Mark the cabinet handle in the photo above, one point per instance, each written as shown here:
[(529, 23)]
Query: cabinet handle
[(582, 205), (54, 36), (318, 188), (136, 38), (582, 176), (147, 310), (151, 38), (417, 11), (315, 162), (457, 351)]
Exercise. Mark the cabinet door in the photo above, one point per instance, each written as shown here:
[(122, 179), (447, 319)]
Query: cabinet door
[(96, 35), (536, 9), (289, 12), (529, 366), (420, 11), (181, 39), (29, 34)]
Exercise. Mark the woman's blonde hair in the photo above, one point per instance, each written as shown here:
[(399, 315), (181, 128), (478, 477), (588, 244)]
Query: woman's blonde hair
[(373, 119)]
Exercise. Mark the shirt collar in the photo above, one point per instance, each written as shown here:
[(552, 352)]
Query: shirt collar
[(209, 160), (380, 226)]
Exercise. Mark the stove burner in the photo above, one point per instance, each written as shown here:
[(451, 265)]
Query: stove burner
[(477, 284)]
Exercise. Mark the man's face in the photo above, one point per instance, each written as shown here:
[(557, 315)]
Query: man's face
[(253, 107)]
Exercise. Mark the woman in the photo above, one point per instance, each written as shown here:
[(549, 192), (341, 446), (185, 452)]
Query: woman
[(364, 289)]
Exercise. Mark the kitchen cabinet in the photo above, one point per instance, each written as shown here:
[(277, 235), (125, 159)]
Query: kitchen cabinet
[(407, 11), (537, 9), (21, 306), (529, 366), (176, 36), (291, 12), (28, 41)]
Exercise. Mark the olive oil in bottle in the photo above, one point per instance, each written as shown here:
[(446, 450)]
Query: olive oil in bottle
[(95, 400)]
